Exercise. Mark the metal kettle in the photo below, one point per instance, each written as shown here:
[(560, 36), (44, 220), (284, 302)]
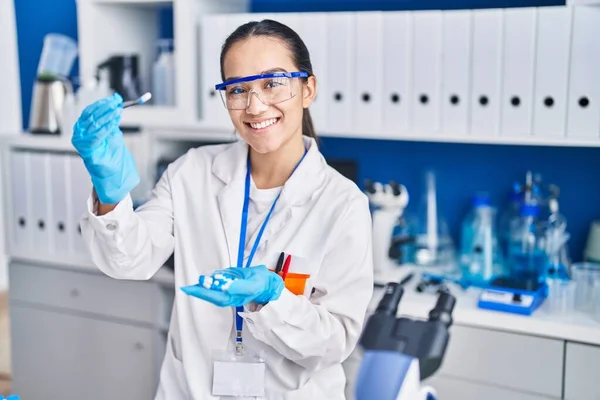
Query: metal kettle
[(49, 94)]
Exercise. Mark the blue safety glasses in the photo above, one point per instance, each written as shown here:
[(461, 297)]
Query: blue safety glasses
[(269, 88)]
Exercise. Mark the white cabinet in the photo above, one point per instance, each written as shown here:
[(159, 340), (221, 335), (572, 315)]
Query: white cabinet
[(136, 301), (459, 389), (69, 357), (518, 362), (582, 365), (82, 335)]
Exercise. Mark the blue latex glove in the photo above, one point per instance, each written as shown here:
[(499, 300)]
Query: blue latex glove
[(99, 141), (252, 284)]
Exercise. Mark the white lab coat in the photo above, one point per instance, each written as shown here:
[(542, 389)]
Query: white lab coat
[(195, 210)]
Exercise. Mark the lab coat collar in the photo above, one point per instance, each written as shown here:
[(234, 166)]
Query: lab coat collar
[(230, 168)]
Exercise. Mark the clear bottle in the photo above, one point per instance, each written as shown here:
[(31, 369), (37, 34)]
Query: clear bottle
[(481, 258), (163, 75), (433, 245), (556, 239), (527, 258), (509, 213)]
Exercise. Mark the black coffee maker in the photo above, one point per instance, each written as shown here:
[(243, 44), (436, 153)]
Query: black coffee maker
[(123, 75)]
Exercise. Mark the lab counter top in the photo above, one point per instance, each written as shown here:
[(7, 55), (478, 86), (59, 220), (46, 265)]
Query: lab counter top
[(575, 327), (163, 276)]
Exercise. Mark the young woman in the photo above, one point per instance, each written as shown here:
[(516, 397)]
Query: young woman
[(242, 209)]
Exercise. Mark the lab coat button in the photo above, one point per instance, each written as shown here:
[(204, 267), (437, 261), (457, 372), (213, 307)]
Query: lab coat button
[(111, 227)]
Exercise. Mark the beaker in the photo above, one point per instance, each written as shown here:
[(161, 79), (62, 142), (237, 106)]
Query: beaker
[(58, 54), (560, 298), (586, 276)]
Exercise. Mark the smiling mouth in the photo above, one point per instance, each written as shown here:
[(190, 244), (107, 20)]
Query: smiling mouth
[(263, 125)]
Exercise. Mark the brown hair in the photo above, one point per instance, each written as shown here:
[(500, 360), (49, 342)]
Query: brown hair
[(294, 43)]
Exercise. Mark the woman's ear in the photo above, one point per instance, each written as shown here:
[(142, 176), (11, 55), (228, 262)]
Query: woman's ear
[(309, 91)]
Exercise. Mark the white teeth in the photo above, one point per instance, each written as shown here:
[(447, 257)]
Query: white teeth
[(263, 124)]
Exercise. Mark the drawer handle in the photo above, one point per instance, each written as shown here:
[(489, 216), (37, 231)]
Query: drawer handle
[(139, 346), (74, 292)]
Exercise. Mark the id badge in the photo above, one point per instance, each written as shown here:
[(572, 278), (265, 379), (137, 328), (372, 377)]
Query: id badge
[(238, 376)]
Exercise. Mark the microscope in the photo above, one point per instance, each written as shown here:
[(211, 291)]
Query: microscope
[(400, 352), (389, 202)]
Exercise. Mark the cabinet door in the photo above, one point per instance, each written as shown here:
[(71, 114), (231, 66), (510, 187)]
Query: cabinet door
[(450, 388), (520, 362), (68, 357), (581, 372)]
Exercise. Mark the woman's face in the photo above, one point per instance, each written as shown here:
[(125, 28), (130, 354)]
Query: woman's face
[(266, 128)]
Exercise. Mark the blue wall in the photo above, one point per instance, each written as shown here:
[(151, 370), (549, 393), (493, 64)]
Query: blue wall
[(462, 169)]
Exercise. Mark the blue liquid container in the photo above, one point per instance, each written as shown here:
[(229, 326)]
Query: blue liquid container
[(527, 258), (480, 257)]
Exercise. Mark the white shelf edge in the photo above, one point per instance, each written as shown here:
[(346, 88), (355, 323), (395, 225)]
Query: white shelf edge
[(586, 3), (198, 131), (129, 2), (38, 142), (60, 143), (471, 139), (193, 135), (202, 132)]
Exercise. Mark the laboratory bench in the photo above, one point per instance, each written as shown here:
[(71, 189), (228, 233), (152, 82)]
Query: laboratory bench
[(498, 356), (77, 333)]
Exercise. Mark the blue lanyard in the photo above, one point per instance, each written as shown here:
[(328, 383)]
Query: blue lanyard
[(239, 321)]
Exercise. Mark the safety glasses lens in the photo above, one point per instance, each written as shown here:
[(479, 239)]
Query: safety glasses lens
[(269, 91)]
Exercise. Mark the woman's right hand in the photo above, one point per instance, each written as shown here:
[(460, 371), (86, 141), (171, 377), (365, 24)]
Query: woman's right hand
[(99, 142)]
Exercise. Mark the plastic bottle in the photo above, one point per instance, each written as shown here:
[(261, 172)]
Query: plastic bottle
[(481, 258), (509, 214), (163, 75), (527, 256)]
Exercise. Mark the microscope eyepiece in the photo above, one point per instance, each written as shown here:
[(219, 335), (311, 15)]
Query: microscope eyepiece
[(443, 308), (389, 303)]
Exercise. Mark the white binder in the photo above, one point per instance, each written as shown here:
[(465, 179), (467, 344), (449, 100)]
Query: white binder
[(517, 81), (583, 120), (60, 203), (368, 74), (39, 190), (340, 75), (397, 64), (213, 32), (313, 31), (80, 188), (427, 50), (20, 218), (552, 71), (486, 72), (456, 72)]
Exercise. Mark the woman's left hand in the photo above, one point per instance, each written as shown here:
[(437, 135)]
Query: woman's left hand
[(256, 284)]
